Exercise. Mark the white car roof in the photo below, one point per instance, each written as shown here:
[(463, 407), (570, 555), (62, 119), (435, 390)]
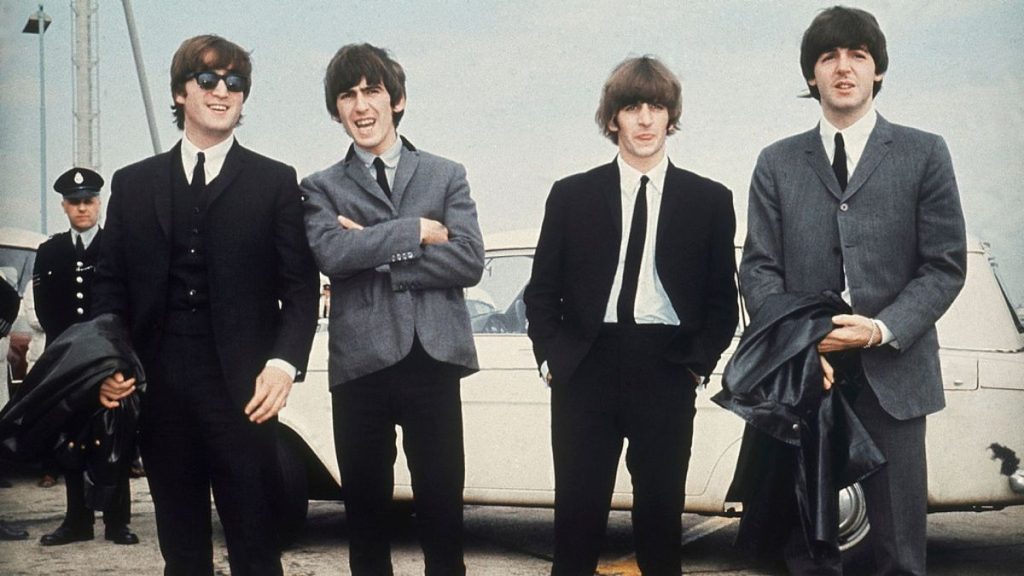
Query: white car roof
[(19, 238)]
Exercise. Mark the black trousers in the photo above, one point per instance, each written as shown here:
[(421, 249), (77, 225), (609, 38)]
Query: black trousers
[(624, 389), (193, 437), (897, 499), (422, 396), (78, 515)]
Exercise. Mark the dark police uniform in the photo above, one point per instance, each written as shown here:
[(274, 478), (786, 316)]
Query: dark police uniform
[(62, 282), (62, 285)]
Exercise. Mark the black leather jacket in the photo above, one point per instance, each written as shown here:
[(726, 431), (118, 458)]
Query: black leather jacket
[(802, 443), (56, 410)]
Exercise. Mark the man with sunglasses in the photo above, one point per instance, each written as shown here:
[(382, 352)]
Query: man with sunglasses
[(205, 259)]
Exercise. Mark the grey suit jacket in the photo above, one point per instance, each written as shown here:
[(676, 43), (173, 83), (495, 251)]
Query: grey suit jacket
[(385, 287), (898, 229)]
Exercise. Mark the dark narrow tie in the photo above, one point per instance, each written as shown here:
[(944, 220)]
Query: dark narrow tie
[(79, 247), (199, 173), (839, 167), (634, 254), (839, 161), (382, 177)]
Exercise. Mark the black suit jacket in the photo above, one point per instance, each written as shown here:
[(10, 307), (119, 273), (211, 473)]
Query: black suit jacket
[(262, 279), (577, 255), (61, 286)]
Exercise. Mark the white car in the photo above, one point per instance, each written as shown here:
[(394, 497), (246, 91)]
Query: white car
[(507, 415)]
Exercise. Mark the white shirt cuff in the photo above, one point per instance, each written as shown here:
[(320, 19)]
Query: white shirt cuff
[(887, 335), (283, 365)]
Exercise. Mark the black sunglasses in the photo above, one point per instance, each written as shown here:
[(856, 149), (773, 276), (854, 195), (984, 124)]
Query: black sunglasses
[(208, 80)]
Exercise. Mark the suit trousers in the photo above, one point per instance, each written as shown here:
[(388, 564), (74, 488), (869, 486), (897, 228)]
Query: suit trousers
[(117, 514), (194, 437), (421, 395), (897, 499), (623, 389)]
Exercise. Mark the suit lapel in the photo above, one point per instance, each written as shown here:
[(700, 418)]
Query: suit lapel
[(407, 164), (611, 191), (162, 186), (877, 148), (357, 172), (671, 196), (233, 164), (818, 160)]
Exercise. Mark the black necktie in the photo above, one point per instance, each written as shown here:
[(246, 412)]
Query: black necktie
[(199, 173), (382, 177), (79, 247), (839, 161), (634, 254)]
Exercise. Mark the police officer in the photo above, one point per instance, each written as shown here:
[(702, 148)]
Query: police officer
[(62, 282)]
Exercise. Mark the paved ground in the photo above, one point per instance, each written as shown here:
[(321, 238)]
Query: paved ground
[(500, 542)]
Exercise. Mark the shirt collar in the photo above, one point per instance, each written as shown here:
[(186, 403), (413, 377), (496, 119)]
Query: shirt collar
[(629, 177), (390, 156), (87, 236), (855, 136), (213, 162)]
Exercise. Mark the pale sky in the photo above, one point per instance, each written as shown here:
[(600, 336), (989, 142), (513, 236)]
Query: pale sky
[(509, 89)]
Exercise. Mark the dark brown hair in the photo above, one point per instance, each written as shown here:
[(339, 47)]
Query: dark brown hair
[(842, 27), (635, 81), (352, 63), (202, 53)]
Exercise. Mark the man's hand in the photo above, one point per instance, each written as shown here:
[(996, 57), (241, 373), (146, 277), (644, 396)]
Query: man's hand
[(826, 368), (272, 388), (114, 389), (349, 224), (851, 331), (432, 232)]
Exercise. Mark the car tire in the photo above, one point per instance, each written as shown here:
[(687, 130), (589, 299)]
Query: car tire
[(292, 504), (853, 518)]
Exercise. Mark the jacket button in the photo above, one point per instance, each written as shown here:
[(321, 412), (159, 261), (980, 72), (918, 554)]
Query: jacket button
[(844, 207), (78, 279), (796, 427), (79, 311), (79, 295)]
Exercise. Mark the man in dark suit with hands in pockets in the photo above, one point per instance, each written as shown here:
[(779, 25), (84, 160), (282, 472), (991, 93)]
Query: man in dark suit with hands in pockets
[(631, 301)]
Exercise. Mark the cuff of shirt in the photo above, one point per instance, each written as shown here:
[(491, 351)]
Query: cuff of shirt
[(545, 372), (283, 365), (887, 335)]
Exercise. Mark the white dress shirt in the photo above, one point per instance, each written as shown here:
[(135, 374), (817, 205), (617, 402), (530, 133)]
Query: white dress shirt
[(213, 162), (652, 305), (855, 139)]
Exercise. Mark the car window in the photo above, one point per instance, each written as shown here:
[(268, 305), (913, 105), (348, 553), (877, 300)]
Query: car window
[(496, 304)]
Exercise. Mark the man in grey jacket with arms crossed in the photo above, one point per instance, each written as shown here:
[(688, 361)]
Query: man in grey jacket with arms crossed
[(396, 231)]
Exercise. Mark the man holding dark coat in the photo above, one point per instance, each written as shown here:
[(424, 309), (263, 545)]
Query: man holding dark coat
[(206, 261), (871, 210)]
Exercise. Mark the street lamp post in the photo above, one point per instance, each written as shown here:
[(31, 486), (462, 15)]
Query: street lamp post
[(37, 24)]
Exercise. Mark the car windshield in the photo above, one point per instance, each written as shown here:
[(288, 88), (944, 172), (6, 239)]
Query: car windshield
[(496, 303)]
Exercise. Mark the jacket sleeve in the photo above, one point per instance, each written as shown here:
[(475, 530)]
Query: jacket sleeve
[(722, 308), (297, 279), (941, 252), (761, 268), (543, 295), (457, 263)]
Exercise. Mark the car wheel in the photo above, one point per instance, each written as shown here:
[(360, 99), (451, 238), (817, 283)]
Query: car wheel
[(853, 517), (293, 502)]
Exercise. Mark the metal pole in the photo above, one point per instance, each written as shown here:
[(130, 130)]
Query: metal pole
[(140, 69), (42, 123)]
